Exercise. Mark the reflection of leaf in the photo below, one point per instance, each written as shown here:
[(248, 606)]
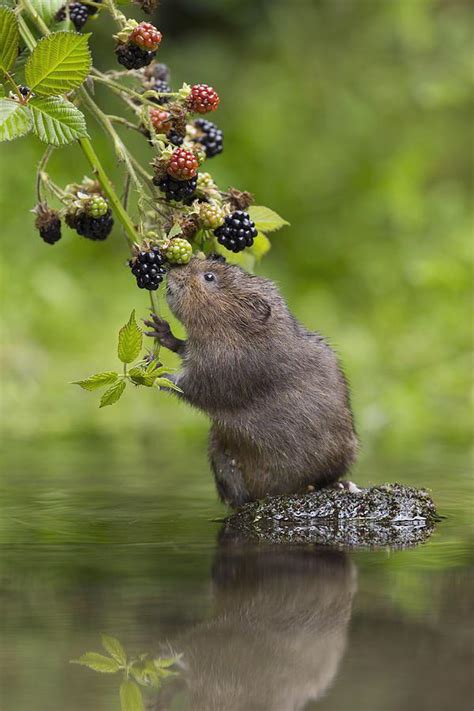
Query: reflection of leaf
[(130, 340), (130, 697), (114, 648), (98, 662), (113, 394), (165, 662), (97, 381), (265, 219)]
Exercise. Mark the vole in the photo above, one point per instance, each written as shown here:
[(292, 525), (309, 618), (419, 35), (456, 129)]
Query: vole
[(276, 395)]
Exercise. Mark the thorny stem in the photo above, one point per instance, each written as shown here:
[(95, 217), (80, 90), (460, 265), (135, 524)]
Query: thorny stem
[(26, 33), (156, 309), (41, 167), (103, 178), (120, 89), (121, 151), (36, 17), (123, 122)]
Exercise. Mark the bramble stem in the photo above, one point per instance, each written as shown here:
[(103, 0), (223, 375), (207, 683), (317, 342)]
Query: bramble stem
[(119, 89), (36, 17), (41, 167), (26, 33), (130, 232)]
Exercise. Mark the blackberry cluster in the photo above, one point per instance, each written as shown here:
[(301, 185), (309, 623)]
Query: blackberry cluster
[(178, 190), (212, 138), (78, 14), (237, 232), (175, 138), (131, 56), (162, 87), (148, 269), (95, 228), (50, 230)]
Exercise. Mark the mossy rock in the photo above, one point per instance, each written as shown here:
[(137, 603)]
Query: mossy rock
[(389, 515)]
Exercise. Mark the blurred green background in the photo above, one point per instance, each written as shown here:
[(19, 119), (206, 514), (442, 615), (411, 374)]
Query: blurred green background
[(351, 119)]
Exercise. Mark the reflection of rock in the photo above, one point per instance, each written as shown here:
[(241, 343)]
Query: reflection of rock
[(389, 515), (278, 632)]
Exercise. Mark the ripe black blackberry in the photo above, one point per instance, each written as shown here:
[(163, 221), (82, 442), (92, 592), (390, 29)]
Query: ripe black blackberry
[(179, 190), (78, 14), (175, 138), (237, 232), (95, 228), (48, 223), (131, 56), (212, 138), (162, 87), (148, 269)]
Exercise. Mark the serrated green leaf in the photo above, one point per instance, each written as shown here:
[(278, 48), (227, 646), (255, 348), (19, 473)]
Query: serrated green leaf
[(15, 120), (9, 38), (261, 245), (56, 121), (165, 662), (60, 62), (130, 341), (113, 394), (140, 376), (130, 697), (98, 662), (97, 381), (265, 219), (166, 383), (114, 648), (47, 9)]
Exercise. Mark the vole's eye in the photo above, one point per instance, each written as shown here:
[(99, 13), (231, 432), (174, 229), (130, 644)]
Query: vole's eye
[(209, 276)]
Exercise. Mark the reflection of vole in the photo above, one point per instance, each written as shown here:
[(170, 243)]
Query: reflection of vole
[(278, 633), (276, 395)]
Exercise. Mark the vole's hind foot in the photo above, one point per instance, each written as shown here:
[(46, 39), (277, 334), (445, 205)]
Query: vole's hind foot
[(230, 482), (161, 332), (347, 486)]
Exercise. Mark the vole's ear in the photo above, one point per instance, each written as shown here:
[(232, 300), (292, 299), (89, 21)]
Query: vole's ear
[(260, 307)]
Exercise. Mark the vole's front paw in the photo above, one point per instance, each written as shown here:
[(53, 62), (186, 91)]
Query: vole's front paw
[(161, 331)]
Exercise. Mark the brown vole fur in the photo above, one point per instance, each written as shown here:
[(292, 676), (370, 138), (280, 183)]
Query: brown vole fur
[(277, 398)]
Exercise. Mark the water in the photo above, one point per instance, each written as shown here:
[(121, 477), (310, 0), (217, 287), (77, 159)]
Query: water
[(123, 538)]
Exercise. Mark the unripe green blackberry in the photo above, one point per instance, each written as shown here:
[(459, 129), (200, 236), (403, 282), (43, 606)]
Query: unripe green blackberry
[(179, 251), (205, 181), (211, 216), (97, 206)]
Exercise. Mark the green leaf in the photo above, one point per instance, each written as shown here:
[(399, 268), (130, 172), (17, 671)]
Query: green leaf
[(15, 120), (9, 38), (98, 662), (130, 341), (60, 62), (265, 219), (56, 121), (166, 383), (140, 376), (97, 381), (114, 648), (113, 394), (130, 697), (47, 9), (165, 662), (261, 245)]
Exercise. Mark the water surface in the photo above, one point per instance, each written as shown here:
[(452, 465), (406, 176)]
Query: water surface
[(123, 539)]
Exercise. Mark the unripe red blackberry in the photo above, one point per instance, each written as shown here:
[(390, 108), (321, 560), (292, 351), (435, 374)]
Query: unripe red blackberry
[(131, 56), (148, 269), (179, 251), (237, 232), (146, 36), (211, 216), (48, 223), (178, 190), (212, 138), (183, 164), (202, 99), (161, 120)]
